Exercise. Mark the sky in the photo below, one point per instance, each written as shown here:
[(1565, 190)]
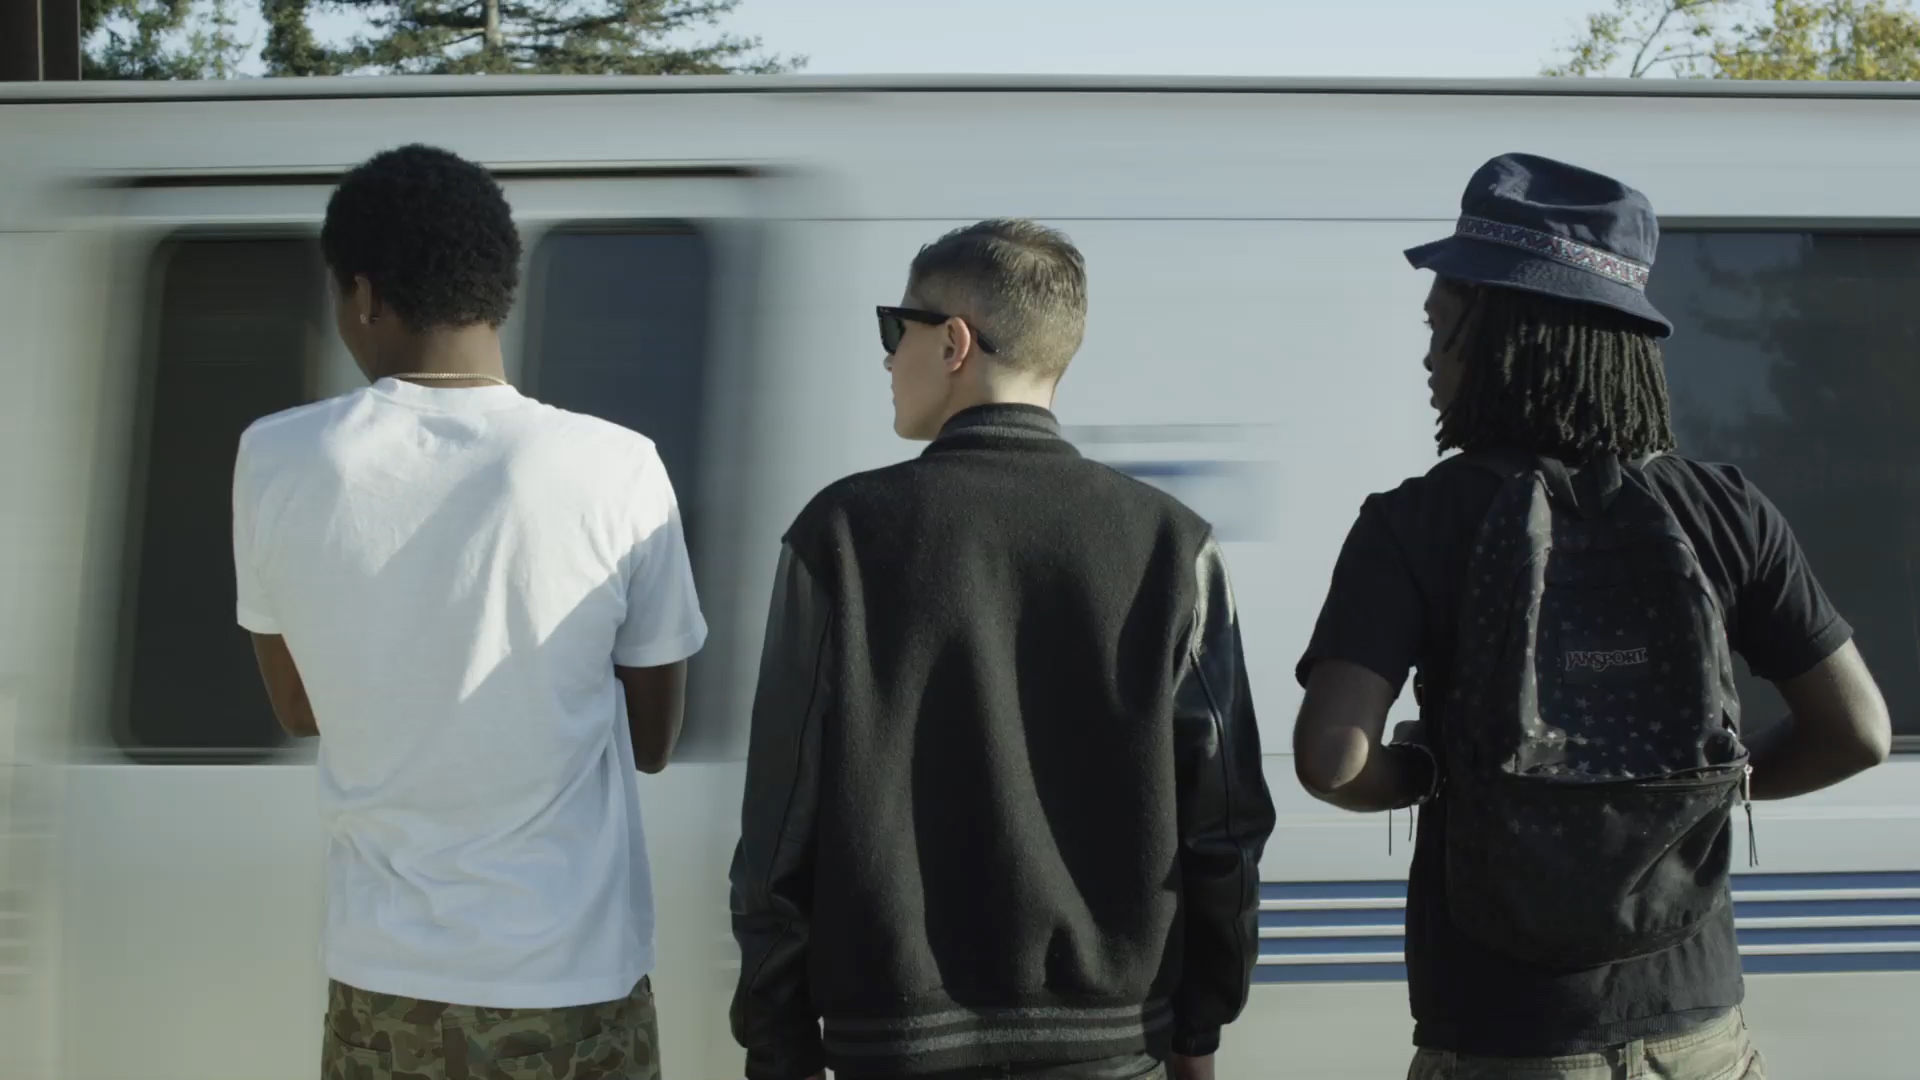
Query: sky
[(1414, 38), (1410, 38)]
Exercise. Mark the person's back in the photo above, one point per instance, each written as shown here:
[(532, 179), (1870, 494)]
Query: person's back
[(482, 605), (1470, 993), (440, 563), (1004, 805), (1572, 647), (997, 769)]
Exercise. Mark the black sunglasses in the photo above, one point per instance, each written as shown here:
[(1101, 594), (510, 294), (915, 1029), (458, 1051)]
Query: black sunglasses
[(894, 320)]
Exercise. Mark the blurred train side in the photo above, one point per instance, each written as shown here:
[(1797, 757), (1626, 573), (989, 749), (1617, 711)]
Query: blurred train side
[(702, 257)]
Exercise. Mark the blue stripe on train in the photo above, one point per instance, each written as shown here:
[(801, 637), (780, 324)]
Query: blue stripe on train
[(1750, 909), (1829, 935), (1792, 964), (1333, 890), (1829, 963), (1374, 917), (1336, 943), (1880, 879), (1397, 890), (1326, 973), (1823, 909)]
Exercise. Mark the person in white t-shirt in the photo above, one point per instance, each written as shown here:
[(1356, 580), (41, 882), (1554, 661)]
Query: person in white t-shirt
[(483, 606)]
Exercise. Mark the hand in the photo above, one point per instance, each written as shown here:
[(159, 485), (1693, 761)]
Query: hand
[(1410, 731), (1190, 1068)]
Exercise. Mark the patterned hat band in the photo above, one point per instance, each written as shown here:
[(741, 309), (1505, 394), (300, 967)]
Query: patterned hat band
[(1558, 248)]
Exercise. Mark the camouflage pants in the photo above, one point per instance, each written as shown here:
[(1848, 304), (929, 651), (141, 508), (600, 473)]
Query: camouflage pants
[(1720, 1050), (384, 1037)]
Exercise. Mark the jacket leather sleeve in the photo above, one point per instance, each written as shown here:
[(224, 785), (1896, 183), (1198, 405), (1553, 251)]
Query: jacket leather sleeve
[(1225, 817), (773, 1014)]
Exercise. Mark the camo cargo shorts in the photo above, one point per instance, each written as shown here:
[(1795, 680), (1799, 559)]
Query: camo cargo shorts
[(384, 1037)]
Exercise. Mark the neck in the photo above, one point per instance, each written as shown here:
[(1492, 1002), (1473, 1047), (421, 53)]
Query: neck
[(1008, 392), (465, 350)]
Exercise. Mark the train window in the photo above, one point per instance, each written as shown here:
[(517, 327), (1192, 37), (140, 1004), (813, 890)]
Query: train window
[(618, 329), (229, 331), (1793, 358)]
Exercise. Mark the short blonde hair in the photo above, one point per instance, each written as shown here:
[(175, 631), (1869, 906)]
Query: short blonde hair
[(1025, 282)]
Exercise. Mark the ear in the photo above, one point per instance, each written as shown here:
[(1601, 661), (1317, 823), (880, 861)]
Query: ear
[(366, 306), (959, 348)]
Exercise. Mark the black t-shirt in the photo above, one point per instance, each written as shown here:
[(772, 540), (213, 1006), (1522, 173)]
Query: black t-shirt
[(1393, 606)]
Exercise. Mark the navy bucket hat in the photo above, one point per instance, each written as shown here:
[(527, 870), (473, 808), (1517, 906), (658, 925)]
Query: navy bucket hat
[(1531, 223)]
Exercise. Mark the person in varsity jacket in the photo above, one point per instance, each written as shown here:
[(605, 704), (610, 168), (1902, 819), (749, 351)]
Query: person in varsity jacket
[(1004, 806)]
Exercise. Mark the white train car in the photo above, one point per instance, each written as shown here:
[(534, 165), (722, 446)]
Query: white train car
[(702, 261)]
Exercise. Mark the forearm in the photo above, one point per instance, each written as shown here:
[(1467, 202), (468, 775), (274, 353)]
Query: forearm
[(1367, 775), (656, 704), (286, 692), (773, 1016), (653, 742), (1225, 818), (294, 711), (1221, 898), (1798, 761)]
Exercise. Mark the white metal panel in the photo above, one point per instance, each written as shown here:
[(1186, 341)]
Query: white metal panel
[(1227, 155)]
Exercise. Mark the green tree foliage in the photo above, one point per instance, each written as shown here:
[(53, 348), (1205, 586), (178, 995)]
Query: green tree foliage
[(159, 39), (291, 48), (1849, 40), (570, 37), (1749, 39), (1672, 37), (196, 39)]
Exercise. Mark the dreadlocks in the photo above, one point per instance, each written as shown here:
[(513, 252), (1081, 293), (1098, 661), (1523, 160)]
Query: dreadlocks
[(1555, 377)]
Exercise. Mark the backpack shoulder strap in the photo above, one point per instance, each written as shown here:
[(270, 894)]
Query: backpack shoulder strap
[(1586, 491), (1512, 465), (1600, 480)]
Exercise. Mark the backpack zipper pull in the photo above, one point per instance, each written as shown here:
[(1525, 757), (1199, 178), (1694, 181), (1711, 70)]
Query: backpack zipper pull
[(1746, 797)]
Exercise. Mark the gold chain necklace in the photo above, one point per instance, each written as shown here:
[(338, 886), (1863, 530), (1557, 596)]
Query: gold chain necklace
[(446, 375)]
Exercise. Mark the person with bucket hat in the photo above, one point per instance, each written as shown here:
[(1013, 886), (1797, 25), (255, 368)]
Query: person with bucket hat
[(1568, 593)]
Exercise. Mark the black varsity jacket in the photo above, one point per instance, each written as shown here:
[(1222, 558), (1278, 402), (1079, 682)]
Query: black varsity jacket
[(1004, 797)]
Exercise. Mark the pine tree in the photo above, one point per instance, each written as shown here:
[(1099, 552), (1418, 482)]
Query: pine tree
[(291, 48), (159, 39), (549, 37)]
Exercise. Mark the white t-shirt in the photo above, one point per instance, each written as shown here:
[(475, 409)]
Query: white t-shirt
[(456, 572)]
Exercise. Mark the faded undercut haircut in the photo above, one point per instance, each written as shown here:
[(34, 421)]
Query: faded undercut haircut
[(1024, 282)]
